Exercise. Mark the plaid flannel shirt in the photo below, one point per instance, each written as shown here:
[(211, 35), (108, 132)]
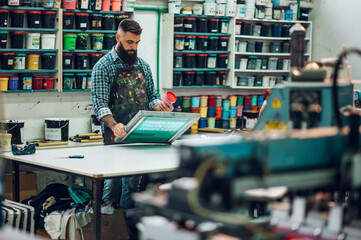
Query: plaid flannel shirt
[(102, 79)]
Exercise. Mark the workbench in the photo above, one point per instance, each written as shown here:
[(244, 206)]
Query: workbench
[(99, 163)]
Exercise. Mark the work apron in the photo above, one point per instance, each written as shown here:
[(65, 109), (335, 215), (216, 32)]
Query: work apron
[(128, 95)]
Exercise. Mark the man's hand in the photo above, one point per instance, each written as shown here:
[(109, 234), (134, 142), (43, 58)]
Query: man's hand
[(119, 130), (163, 107)]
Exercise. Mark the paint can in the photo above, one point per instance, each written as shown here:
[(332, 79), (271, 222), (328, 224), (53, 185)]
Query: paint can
[(95, 124), (5, 140), (56, 129), (15, 128)]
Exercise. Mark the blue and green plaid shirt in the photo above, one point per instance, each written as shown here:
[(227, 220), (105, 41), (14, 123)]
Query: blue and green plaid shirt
[(102, 79)]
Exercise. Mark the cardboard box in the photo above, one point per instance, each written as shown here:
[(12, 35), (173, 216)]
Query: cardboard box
[(27, 185)]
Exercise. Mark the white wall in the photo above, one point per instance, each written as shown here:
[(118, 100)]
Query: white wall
[(336, 23)]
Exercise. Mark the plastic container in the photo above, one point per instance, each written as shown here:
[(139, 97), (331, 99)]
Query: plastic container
[(4, 82), (48, 3), (212, 43), (242, 47), (179, 42), (257, 30), (106, 5), (190, 43), (177, 76), (202, 123), (223, 43), (201, 43), (189, 60), (178, 60), (17, 39), (33, 40), (49, 19), (17, 19), (213, 25), (48, 83), (209, 8), (68, 20), (246, 28), (212, 102), (68, 80), (223, 25), (265, 29), (81, 60), (178, 24), (33, 60), (221, 10), (203, 112), (272, 63), (7, 60), (189, 25), (96, 21), (275, 47), (38, 82), (94, 58), (195, 101), (221, 78), (289, 15), (199, 79), (188, 78), (109, 41), (82, 41), (19, 61), (251, 46), (83, 4), (186, 103), (25, 81), (4, 17), (285, 47), (286, 31), (118, 19), (258, 47), (48, 41), (237, 27), (13, 83), (116, 5), (202, 25), (212, 60), (68, 60), (81, 20), (3, 39), (204, 101), (251, 64), (80, 80), (201, 60), (210, 78), (276, 30), (107, 22), (48, 60), (34, 19), (222, 60), (69, 4), (70, 41)]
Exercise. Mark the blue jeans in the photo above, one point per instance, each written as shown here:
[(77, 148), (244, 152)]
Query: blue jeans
[(127, 185)]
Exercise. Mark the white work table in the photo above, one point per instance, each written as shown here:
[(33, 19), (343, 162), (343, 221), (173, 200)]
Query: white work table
[(99, 163)]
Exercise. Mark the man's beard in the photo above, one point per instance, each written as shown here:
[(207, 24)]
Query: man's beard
[(128, 56)]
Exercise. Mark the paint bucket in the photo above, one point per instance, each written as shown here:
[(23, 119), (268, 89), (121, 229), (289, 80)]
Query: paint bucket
[(17, 39), (199, 79), (56, 129), (7, 60), (174, 6), (225, 114), (210, 78), (4, 18), (211, 112), (5, 140), (116, 4), (96, 21), (226, 105), (33, 40), (94, 58), (38, 82), (203, 112), (68, 79), (68, 20), (81, 21), (19, 61), (276, 30), (211, 122), (15, 128), (34, 19), (186, 103), (188, 78), (48, 41), (25, 81), (202, 123), (218, 112), (220, 10), (3, 39), (69, 4), (4, 82), (48, 3), (33, 61), (48, 60), (17, 19), (169, 97), (49, 19), (97, 41), (109, 41), (48, 83), (70, 41), (107, 22), (80, 80), (128, 5), (82, 41), (83, 4), (233, 101), (13, 83), (204, 101), (195, 101), (106, 5), (231, 10), (81, 60), (68, 60), (119, 18), (178, 103), (209, 9)]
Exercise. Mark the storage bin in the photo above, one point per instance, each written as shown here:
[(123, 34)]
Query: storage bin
[(178, 60), (81, 20), (259, 47), (199, 79), (201, 60), (246, 28), (201, 43), (223, 43), (33, 40), (49, 19), (34, 19), (33, 60), (222, 60), (4, 82), (179, 42), (286, 31), (38, 82), (3, 39), (212, 101), (178, 24), (68, 60), (69, 4), (202, 25), (108, 22), (272, 63), (17, 18), (275, 47), (276, 30), (251, 46), (212, 43), (188, 78), (177, 76), (96, 21), (68, 20), (82, 41), (17, 39), (70, 41), (48, 41), (212, 60), (189, 60), (190, 43), (19, 61), (223, 25), (81, 60), (13, 83), (257, 30), (80, 80), (7, 60), (25, 81), (4, 17), (48, 60), (251, 64), (68, 80), (94, 58), (189, 25), (265, 28), (213, 25), (210, 78), (109, 41), (119, 18), (48, 83)]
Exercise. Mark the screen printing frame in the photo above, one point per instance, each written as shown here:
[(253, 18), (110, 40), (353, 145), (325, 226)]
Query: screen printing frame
[(138, 119)]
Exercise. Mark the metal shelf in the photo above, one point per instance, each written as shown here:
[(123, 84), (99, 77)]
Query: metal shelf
[(88, 31), (200, 69), (87, 51), (77, 90), (30, 71), (29, 29), (203, 34), (272, 21), (261, 71), (202, 86), (77, 70), (198, 52), (27, 50), (200, 16), (28, 8), (96, 11), (30, 91)]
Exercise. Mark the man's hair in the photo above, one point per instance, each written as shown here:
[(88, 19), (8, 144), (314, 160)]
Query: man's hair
[(129, 25)]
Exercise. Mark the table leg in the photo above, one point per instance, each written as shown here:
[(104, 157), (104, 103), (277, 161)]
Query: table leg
[(97, 188), (15, 173)]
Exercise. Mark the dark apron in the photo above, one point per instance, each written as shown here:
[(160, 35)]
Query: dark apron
[(128, 95)]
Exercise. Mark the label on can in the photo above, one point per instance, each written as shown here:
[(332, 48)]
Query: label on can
[(67, 22), (85, 63), (250, 122), (178, 62), (179, 44), (192, 44), (84, 82), (83, 25), (37, 22), (36, 42), (224, 27), (84, 4), (27, 83), (188, 25), (224, 44), (19, 63), (53, 134), (4, 40), (237, 29), (67, 61), (13, 2), (10, 62), (211, 62), (89, 83)]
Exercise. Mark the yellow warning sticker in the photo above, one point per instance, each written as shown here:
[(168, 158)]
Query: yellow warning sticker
[(276, 103)]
